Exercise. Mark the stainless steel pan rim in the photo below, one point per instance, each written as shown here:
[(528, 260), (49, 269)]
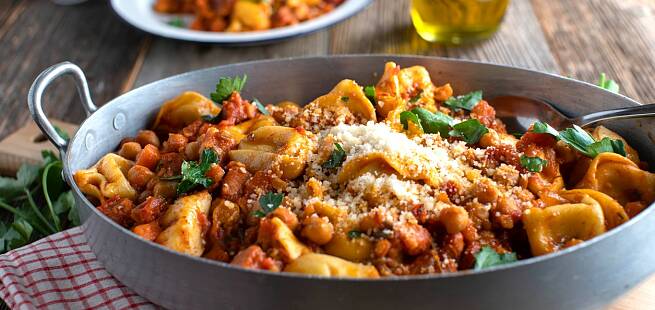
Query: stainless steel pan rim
[(39, 86)]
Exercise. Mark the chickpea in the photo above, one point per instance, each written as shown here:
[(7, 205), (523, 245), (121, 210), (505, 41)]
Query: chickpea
[(129, 150), (455, 219), (145, 137), (318, 229), (139, 176), (289, 218)]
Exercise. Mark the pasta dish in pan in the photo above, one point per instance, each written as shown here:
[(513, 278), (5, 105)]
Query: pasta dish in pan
[(398, 178)]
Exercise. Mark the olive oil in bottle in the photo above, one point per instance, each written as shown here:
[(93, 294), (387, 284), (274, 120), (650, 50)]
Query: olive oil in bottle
[(457, 21)]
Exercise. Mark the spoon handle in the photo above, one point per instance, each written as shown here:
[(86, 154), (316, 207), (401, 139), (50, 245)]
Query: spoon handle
[(629, 112)]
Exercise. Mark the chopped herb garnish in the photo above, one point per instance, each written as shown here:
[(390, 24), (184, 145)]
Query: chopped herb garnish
[(369, 91), (434, 122), (212, 119), (337, 157), (581, 140), (417, 97), (533, 164), (608, 84), (406, 116), (469, 130), (268, 203), (260, 106), (488, 257), (177, 22), (193, 173), (354, 234), (226, 86), (466, 102), (345, 98)]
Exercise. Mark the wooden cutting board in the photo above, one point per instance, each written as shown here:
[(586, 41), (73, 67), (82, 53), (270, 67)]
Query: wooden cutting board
[(25, 145)]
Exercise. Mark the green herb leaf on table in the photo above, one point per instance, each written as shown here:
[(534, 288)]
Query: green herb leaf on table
[(488, 257), (268, 203), (369, 91), (354, 234), (260, 106), (63, 134), (533, 164), (470, 131), (337, 157), (608, 84), (226, 86), (466, 102), (193, 173)]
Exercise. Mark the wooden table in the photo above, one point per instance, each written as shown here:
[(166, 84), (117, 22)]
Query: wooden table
[(576, 38)]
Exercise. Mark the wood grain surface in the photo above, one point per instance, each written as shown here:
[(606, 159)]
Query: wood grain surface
[(576, 38)]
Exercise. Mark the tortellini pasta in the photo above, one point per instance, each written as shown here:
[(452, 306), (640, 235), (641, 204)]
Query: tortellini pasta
[(250, 15), (184, 109), (183, 226), (106, 179), (330, 266)]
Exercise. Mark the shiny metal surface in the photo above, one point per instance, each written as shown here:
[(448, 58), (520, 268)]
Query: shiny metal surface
[(585, 276), (519, 113)]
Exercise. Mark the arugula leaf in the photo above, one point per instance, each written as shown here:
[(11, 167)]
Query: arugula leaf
[(417, 97), (533, 164), (369, 91), (176, 22), (488, 257), (226, 86), (260, 107), (337, 157), (406, 116), (193, 173), (469, 130), (608, 84), (466, 102), (354, 234), (541, 127), (434, 122), (268, 203)]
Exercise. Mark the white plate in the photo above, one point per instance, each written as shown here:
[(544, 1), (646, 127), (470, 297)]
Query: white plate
[(139, 13)]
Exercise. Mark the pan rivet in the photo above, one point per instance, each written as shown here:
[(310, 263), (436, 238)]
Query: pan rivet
[(89, 141), (119, 121)]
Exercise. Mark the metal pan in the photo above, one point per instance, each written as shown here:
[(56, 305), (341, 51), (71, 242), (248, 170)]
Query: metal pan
[(588, 275)]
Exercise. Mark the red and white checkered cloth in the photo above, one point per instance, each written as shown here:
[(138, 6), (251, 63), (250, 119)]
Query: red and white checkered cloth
[(61, 272)]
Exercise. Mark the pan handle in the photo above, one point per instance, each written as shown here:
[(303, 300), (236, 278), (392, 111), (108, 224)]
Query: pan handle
[(35, 96)]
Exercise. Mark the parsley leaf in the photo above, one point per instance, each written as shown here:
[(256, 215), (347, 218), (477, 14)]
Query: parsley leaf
[(488, 257), (541, 127), (607, 145), (226, 86), (533, 164), (469, 130), (193, 173), (345, 98), (63, 134), (354, 234), (260, 107), (608, 84), (581, 140), (268, 203), (369, 91), (466, 102), (406, 116), (176, 22), (434, 122), (337, 157), (577, 138)]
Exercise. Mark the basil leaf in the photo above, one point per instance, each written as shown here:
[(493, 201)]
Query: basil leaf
[(268, 203), (608, 84), (260, 107), (193, 173), (369, 91), (434, 122), (541, 127), (488, 257), (406, 116), (226, 86), (466, 102), (533, 164), (337, 157), (469, 130)]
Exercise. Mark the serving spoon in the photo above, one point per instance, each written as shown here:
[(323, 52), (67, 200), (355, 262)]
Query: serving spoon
[(519, 113)]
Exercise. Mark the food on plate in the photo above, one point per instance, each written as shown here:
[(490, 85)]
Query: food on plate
[(402, 177), (244, 15)]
